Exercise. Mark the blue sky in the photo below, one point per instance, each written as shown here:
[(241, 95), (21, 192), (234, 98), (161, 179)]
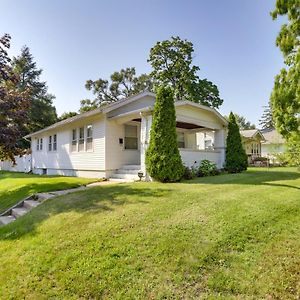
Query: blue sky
[(72, 41)]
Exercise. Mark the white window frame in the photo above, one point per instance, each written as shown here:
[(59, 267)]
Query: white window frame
[(54, 142), (41, 144), (81, 140), (89, 138), (50, 143), (74, 142), (135, 137)]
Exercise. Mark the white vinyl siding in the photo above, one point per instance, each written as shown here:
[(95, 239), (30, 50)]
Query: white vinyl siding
[(74, 163)]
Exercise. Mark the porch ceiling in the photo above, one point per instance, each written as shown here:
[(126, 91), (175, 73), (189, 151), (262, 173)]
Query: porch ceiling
[(185, 125)]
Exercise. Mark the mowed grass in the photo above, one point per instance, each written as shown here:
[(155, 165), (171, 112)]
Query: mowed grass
[(225, 237), (16, 186)]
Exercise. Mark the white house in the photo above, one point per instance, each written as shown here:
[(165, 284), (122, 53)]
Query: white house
[(274, 143), (111, 141), (251, 140)]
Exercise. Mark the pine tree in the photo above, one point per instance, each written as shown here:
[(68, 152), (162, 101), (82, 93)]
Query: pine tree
[(236, 158), (13, 106), (42, 113), (266, 120), (163, 160)]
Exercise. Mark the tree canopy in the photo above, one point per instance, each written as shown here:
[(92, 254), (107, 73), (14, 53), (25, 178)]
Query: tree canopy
[(67, 115), (42, 112), (14, 104), (171, 61), (242, 123), (285, 97), (122, 84)]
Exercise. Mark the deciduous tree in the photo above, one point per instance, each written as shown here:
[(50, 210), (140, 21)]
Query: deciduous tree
[(171, 61), (242, 123), (285, 98), (122, 84)]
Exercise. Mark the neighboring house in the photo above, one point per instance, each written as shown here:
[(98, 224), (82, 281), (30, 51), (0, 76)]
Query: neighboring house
[(252, 142), (274, 143), (111, 141)]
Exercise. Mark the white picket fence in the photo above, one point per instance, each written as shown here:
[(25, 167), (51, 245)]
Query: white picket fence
[(23, 164)]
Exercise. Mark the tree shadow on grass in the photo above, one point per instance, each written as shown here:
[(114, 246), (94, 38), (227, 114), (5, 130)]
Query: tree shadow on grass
[(252, 177), (91, 201), (10, 197)]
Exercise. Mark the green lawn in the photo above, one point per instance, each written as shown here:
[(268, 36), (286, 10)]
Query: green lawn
[(225, 237), (16, 186)]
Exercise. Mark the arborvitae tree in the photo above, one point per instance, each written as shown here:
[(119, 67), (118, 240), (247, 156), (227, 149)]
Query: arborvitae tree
[(266, 120), (163, 160), (236, 158)]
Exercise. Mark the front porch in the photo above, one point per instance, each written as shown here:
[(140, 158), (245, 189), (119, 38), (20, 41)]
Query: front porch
[(200, 135)]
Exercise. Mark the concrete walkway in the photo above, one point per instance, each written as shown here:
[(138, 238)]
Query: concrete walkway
[(24, 206)]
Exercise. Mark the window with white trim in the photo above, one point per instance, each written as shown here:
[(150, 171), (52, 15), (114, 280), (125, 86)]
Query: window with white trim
[(81, 139), (41, 144), (50, 143), (37, 144), (89, 137), (54, 142), (131, 138), (74, 140)]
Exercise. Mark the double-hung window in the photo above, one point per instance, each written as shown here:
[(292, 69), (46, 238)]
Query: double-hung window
[(74, 140), (131, 139), (89, 138), (81, 139), (37, 144), (50, 143), (54, 142), (41, 144)]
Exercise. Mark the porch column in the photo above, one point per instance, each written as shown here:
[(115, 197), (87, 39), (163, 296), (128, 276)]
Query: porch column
[(145, 139), (220, 145)]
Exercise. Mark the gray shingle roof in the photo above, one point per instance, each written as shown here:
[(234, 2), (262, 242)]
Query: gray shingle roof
[(272, 137)]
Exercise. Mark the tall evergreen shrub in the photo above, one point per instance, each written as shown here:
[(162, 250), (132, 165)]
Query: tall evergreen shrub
[(236, 158), (163, 160)]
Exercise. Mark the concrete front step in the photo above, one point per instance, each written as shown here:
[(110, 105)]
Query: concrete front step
[(119, 180), (131, 167), (29, 204), (19, 211), (6, 220), (125, 176), (127, 171)]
